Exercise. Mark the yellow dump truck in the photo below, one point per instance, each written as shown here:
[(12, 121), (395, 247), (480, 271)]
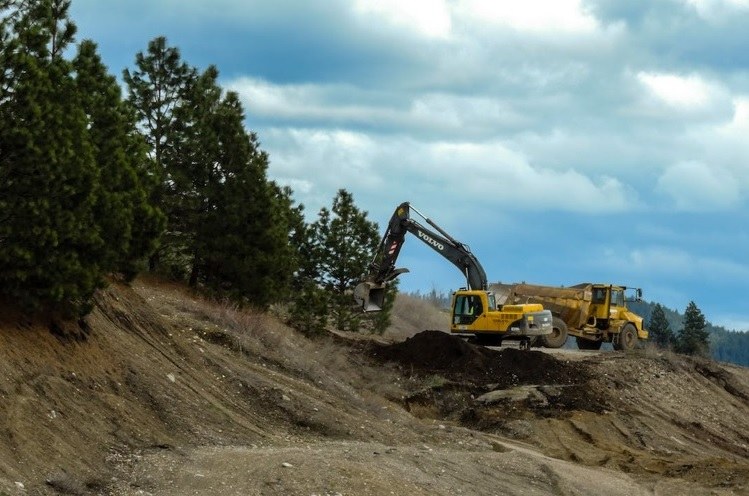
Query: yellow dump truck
[(593, 313)]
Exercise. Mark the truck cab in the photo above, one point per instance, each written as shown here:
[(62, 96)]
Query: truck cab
[(608, 305)]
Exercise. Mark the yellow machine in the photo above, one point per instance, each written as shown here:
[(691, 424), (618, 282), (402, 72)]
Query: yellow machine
[(593, 313), (474, 310)]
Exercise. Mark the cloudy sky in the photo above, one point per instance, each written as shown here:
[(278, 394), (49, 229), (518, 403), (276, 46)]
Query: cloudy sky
[(563, 140)]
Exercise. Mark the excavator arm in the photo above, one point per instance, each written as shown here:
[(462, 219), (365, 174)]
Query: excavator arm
[(370, 293)]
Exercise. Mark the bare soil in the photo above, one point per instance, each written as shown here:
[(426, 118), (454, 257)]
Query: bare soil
[(160, 392)]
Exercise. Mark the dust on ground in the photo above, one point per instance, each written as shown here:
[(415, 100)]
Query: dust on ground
[(160, 392)]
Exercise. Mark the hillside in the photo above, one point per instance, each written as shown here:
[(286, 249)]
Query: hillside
[(159, 392)]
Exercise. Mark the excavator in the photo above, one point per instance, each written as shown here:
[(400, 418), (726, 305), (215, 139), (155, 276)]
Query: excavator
[(475, 313)]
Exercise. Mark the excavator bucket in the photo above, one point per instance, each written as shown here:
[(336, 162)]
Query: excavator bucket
[(370, 296)]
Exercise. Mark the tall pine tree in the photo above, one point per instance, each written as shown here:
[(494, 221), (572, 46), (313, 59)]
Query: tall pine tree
[(157, 89), (242, 233), (228, 226), (693, 338), (128, 223), (49, 237), (71, 166), (345, 244)]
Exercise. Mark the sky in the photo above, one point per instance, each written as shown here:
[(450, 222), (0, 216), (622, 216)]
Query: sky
[(564, 141)]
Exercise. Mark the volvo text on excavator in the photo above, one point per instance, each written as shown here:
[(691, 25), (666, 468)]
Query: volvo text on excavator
[(474, 308)]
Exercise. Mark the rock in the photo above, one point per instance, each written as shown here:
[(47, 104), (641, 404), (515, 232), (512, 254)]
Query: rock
[(516, 394)]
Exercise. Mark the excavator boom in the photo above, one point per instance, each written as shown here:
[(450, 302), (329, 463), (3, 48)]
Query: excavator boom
[(370, 293)]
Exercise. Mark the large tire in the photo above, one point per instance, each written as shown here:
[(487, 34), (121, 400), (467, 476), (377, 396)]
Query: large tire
[(558, 335), (627, 338), (587, 344)]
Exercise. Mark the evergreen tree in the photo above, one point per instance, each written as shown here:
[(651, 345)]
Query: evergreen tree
[(128, 223), (693, 338), (345, 244), (659, 328), (234, 222), (228, 226), (309, 308), (157, 88), (50, 241)]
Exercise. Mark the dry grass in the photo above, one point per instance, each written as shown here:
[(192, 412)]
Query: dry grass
[(260, 335), (413, 315)]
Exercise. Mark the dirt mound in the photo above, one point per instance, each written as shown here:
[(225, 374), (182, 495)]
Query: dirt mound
[(434, 352)]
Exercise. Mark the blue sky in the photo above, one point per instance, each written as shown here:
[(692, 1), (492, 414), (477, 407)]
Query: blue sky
[(563, 140)]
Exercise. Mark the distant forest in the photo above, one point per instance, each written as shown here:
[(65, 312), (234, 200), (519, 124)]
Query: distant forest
[(725, 345)]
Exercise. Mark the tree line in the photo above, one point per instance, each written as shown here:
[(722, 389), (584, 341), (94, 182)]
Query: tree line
[(691, 333), (95, 185)]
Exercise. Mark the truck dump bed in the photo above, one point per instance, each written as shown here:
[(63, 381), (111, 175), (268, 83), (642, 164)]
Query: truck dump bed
[(571, 304)]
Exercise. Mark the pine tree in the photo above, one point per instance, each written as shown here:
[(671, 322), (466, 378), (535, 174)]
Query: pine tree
[(659, 328), (236, 219), (310, 301), (693, 338), (128, 223), (346, 241), (227, 225), (157, 88), (49, 237)]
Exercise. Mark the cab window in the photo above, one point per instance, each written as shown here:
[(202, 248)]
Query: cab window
[(467, 309), (599, 295), (617, 297)]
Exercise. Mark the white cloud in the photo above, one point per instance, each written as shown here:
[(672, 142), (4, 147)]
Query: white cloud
[(299, 101), (731, 143), (489, 174), (726, 148), (427, 112), (439, 19), (694, 186), (681, 92), (430, 18), (711, 9), (662, 261), (533, 16)]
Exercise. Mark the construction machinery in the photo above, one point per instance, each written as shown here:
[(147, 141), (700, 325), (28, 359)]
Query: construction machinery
[(593, 313), (475, 312)]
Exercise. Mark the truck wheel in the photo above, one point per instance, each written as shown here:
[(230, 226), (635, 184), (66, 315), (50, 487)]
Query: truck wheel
[(587, 344), (627, 339), (558, 335)]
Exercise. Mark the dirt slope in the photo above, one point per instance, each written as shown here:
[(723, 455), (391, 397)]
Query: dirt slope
[(158, 392)]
